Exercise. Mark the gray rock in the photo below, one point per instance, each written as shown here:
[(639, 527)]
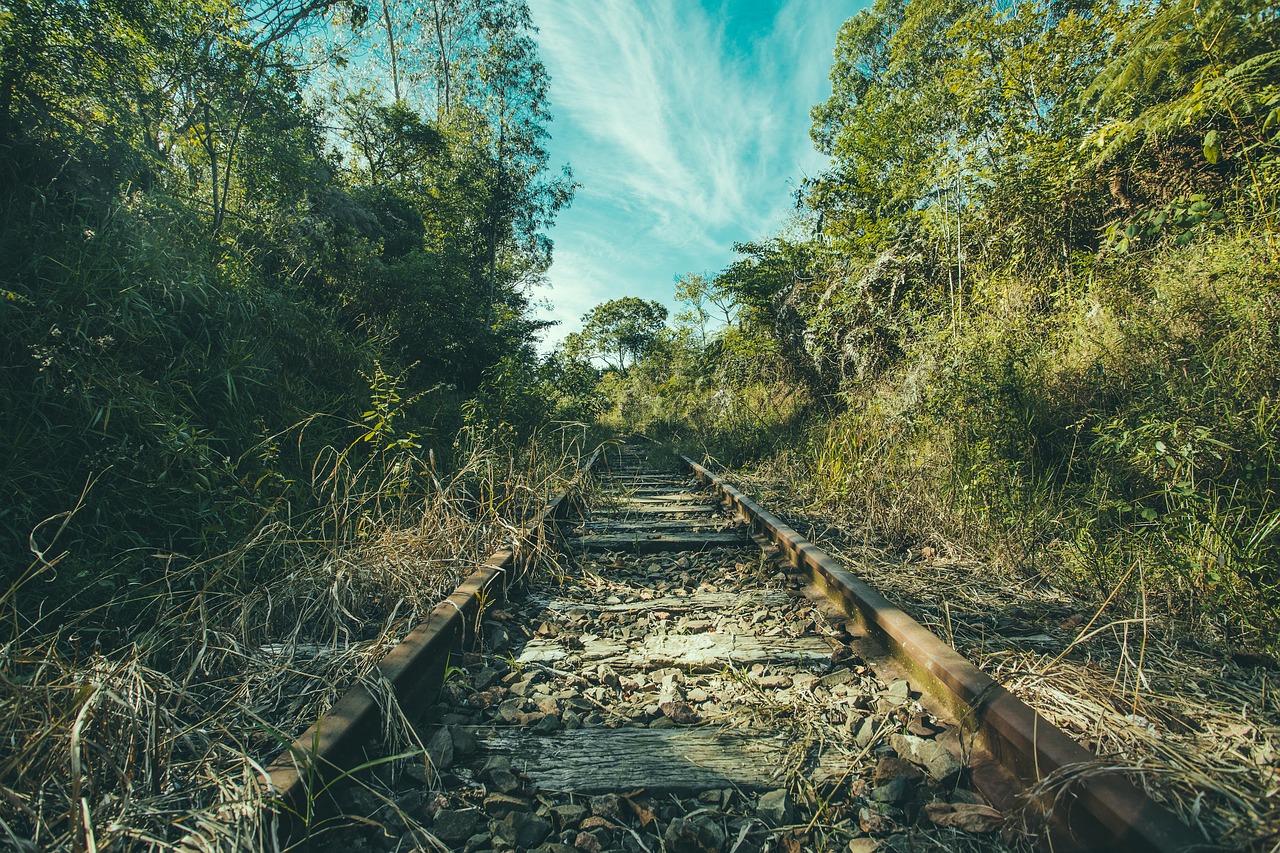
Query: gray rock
[(697, 835), (479, 841), (362, 800), (418, 771), (456, 825), (606, 806), (504, 781), (509, 711), (896, 791), (929, 754), (495, 762), (899, 692), (548, 724), (569, 815), (440, 749), (866, 731), (496, 638), (840, 676), (521, 830), (775, 807), (464, 742)]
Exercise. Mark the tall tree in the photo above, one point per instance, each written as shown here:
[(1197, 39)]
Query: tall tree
[(621, 331)]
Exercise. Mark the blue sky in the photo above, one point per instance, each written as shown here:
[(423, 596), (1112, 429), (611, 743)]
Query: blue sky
[(687, 124)]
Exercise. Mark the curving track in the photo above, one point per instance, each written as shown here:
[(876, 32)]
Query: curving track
[(692, 676)]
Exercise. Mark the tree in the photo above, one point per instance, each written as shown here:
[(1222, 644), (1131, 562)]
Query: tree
[(622, 328), (702, 293), (889, 115)]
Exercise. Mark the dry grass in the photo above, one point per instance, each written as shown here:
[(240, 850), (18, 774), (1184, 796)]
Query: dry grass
[(1198, 731), (159, 740)]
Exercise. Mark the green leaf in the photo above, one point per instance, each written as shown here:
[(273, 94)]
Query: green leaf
[(1211, 150), (1149, 514)]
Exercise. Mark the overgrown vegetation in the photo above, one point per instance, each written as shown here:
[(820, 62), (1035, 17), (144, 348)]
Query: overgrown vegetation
[(267, 375), (267, 372), (1029, 312)]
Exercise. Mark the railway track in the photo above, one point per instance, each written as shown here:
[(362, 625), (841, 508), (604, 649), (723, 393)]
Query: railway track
[(691, 676)]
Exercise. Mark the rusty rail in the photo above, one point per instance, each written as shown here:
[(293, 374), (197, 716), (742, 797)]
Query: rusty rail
[(1101, 810), (331, 747)]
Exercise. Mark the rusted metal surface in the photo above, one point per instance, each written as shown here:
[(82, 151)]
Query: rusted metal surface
[(300, 776), (1101, 811)]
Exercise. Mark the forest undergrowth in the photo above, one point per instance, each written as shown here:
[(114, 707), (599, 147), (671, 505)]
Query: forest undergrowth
[(148, 719)]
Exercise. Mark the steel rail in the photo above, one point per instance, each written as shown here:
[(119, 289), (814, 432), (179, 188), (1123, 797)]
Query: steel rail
[(1100, 810), (305, 772)]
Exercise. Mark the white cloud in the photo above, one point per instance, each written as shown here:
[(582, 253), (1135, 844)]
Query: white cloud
[(684, 130)]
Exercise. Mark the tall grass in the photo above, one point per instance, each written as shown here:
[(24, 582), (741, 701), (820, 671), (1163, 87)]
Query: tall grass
[(1075, 433), (148, 720)]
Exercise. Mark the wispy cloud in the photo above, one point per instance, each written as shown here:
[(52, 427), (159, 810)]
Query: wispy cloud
[(683, 124)]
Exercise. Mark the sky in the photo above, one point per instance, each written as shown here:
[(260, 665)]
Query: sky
[(687, 124)]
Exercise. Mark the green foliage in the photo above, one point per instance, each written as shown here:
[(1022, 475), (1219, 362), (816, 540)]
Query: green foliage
[(1135, 423), (1034, 314), (620, 329), (193, 272), (1195, 85)]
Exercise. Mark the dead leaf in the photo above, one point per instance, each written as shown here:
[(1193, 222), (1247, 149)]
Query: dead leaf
[(964, 816), (644, 814)]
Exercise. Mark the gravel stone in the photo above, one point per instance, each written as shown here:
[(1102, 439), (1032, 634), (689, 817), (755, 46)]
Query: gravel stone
[(440, 749), (775, 807), (891, 768), (521, 830), (698, 835), (455, 825), (479, 841), (896, 791), (587, 843), (940, 764), (606, 806), (570, 815)]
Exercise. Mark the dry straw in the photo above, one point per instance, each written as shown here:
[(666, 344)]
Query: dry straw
[(161, 741), (1200, 733)]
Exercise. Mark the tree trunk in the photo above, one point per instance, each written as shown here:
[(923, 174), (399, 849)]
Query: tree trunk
[(445, 72), (391, 48)]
